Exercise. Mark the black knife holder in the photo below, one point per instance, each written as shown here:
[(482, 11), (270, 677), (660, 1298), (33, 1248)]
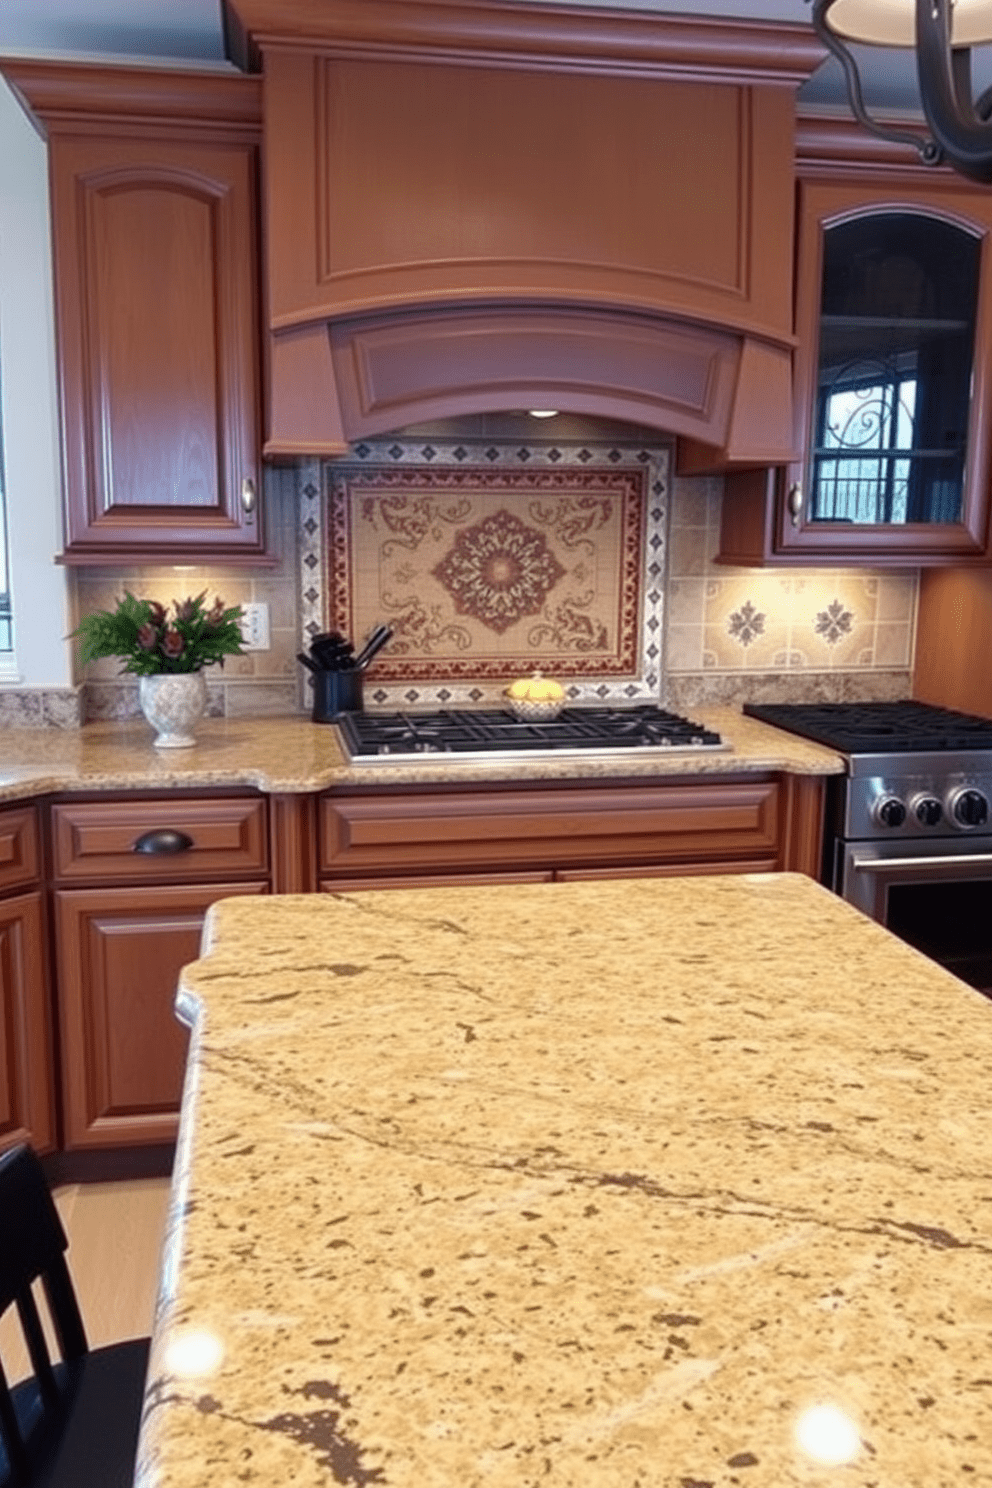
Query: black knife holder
[(336, 692)]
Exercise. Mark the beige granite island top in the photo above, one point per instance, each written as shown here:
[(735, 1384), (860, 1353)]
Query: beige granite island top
[(638, 1184), (293, 755)]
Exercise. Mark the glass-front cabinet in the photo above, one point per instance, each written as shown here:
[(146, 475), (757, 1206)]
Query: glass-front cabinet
[(889, 421), (892, 390)]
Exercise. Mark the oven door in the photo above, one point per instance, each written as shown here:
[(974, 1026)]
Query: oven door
[(937, 895)]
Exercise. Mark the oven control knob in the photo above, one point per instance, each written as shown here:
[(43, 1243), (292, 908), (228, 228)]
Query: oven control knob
[(969, 808), (889, 811), (927, 810)]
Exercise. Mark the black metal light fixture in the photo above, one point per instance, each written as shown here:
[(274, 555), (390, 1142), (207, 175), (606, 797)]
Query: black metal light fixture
[(943, 33)]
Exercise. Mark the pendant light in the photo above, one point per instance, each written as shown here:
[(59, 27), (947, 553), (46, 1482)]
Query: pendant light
[(943, 33)]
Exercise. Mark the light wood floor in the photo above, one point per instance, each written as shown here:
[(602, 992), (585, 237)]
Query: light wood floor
[(115, 1238)]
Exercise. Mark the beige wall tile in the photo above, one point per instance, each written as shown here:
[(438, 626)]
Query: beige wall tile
[(689, 552), (685, 648), (892, 645)]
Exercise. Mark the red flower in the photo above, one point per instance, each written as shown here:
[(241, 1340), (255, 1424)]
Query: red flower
[(147, 637), (156, 613), (173, 644)]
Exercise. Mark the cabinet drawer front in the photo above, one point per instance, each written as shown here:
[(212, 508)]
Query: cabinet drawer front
[(100, 839), (554, 828), (18, 847)]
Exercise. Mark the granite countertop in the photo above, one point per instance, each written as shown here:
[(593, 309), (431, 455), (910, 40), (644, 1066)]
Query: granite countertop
[(596, 1184), (294, 755)]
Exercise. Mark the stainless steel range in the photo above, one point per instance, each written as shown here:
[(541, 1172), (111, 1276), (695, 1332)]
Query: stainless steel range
[(908, 835), (493, 734)]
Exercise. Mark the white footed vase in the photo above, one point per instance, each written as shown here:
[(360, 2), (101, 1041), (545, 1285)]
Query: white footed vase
[(172, 702)]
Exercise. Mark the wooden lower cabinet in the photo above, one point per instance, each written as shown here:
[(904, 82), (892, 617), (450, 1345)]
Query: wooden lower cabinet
[(123, 1050), (26, 1096), (445, 835)]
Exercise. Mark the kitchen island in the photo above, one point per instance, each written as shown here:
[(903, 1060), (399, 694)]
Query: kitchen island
[(589, 1183)]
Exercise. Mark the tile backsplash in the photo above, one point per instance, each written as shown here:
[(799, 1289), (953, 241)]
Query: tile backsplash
[(730, 634), (778, 634)]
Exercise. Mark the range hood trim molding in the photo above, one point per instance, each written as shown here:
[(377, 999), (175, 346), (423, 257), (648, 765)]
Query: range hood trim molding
[(716, 387), (705, 48)]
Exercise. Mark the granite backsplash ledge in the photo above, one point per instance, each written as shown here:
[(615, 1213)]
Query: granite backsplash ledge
[(707, 633)]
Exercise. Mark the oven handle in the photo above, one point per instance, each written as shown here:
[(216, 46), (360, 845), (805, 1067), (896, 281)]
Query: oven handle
[(955, 860)]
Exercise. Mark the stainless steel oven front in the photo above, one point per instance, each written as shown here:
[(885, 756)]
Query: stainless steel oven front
[(934, 893)]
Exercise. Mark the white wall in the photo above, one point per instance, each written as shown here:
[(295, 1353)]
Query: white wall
[(29, 407)]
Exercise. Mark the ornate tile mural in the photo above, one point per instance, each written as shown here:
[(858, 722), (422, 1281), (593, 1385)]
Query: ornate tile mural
[(490, 560)]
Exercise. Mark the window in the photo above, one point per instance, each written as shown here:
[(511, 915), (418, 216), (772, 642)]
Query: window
[(6, 619)]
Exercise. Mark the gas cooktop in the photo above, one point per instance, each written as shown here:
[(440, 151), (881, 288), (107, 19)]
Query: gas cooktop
[(489, 734), (879, 728)]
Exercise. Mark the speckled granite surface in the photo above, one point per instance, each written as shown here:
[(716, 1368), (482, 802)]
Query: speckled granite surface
[(294, 755), (599, 1184)]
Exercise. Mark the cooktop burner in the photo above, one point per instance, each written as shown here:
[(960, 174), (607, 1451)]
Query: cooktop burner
[(491, 733), (879, 728)]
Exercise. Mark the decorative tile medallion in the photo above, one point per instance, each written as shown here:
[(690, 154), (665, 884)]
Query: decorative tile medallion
[(833, 622), (490, 560), (746, 624)]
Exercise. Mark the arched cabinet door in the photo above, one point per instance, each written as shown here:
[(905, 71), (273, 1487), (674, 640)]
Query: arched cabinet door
[(892, 383), (156, 277)]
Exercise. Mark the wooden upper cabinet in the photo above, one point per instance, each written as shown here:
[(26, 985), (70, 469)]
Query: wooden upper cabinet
[(154, 219), (892, 383), (470, 207)]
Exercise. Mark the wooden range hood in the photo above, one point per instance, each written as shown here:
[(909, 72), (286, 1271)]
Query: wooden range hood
[(475, 207)]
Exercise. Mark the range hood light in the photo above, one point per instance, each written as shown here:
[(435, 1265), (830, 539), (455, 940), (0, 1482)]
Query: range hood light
[(543, 412), (943, 33)]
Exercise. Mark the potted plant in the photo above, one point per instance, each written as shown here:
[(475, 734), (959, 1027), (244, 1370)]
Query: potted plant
[(168, 651)]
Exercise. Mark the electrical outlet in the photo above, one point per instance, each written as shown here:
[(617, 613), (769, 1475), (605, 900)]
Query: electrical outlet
[(255, 627)]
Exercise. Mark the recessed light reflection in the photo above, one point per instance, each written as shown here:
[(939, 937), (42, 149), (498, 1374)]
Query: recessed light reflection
[(543, 412), (193, 1352), (828, 1435)]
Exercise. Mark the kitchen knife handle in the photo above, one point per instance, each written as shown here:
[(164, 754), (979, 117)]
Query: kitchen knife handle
[(162, 841)]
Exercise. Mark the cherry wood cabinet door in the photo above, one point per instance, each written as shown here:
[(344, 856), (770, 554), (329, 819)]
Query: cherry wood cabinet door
[(26, 1098), (120, 952), (156, 288)]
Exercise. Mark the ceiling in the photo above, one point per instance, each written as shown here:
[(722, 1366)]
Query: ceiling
[(190, 33)]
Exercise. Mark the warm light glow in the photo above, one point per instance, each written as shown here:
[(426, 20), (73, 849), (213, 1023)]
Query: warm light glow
[(193, 1353), (543, 412), (893, 22), (828, 1435)]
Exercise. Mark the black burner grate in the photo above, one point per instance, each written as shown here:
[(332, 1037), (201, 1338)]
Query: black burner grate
[(879, 728), (488, 731)]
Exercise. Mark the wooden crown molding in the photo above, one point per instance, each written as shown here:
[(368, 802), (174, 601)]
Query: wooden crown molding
[(62, 96), (511, 33), (831, 140)]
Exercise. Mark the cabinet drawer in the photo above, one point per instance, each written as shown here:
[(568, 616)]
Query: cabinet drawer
[(548, 828), (18, 847), (145, 841)]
